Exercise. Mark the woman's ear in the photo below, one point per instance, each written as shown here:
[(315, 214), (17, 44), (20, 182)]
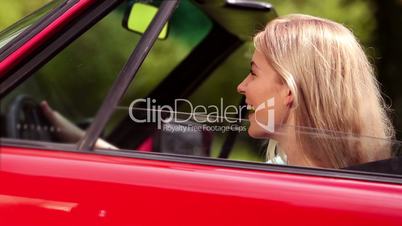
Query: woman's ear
[(289, 98)]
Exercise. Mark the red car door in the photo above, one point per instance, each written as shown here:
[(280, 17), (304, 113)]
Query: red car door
[(53, 187)]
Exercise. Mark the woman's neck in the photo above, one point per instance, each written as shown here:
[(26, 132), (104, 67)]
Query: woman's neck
[(288, 142)]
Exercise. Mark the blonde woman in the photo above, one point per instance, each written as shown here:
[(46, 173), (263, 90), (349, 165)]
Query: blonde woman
[(319, 80)]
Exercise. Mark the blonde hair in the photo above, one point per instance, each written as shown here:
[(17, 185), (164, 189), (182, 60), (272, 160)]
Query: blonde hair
[(333, 88)]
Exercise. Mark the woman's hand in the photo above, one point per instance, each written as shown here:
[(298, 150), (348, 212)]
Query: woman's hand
[(67, 131)]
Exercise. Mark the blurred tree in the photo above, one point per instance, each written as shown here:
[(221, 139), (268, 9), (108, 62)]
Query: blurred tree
[(357, 15), (11, 10), (388, 39)]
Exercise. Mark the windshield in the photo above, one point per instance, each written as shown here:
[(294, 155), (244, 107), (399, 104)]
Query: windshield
[(8, 34), (187, 132)]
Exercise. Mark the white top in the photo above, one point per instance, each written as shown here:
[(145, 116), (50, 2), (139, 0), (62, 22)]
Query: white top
[(274, 154), (277, 160)]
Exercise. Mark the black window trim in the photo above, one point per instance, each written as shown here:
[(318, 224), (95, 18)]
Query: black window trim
[(208, 161), (37, 27)]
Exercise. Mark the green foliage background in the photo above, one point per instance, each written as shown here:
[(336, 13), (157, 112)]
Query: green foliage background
[(13, 10), (356, 14)]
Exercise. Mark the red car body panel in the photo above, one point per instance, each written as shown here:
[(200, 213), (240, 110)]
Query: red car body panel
[(64, 188), (18, 55)]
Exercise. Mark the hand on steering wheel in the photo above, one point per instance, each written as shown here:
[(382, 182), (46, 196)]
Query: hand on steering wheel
[(26, 119), (67, 131)]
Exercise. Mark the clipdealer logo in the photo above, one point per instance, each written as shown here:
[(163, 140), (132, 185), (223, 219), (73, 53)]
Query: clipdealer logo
[(269, 105), (163, 115)]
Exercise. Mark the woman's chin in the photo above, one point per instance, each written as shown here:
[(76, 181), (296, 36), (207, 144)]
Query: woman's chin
[(257, 133)]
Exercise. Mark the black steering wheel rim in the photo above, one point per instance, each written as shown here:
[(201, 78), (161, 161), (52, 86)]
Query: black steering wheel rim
[(25, 120)]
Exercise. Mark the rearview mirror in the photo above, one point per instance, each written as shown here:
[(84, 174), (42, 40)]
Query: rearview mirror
[(249, 4), (139, 16), (242, 18)]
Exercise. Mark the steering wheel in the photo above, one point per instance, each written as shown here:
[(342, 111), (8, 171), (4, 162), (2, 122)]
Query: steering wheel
[(25, 120)]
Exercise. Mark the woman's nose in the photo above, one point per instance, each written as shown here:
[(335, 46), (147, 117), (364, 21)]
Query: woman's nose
[(241, 88)]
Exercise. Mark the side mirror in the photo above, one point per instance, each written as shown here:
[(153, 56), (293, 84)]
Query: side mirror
[(139, 16)]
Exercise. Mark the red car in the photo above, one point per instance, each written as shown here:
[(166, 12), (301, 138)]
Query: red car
[(90, 59)]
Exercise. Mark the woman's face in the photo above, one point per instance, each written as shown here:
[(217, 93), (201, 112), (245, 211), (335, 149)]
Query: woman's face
[(267, 95)]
